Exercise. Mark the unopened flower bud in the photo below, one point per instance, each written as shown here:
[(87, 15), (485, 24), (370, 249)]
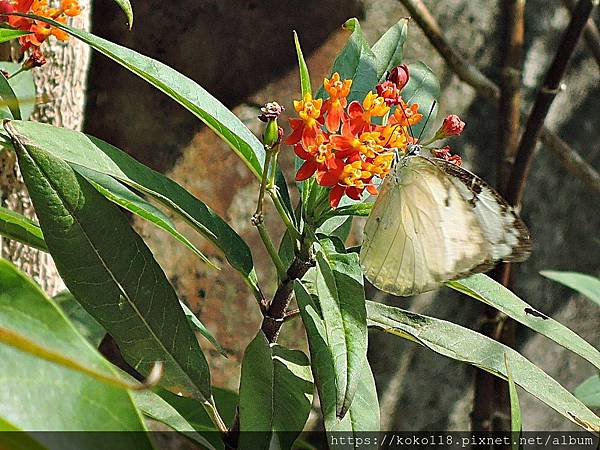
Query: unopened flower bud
[(452, 126), (270, 111), (36, 59), (399, 76)]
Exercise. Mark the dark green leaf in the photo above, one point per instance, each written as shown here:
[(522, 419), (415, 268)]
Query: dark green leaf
[(423, 88), (340, 292), (81, 150), (276, 391), (112, 273), (8, 34), (584, 284), (23, 93), (389, 49), (462, 344), (589, 391), (364, 411), (86, 325), (483, 288), (126, 7), (39, 395), (19, 228), (201, 328), (304, 75), (129, 200)]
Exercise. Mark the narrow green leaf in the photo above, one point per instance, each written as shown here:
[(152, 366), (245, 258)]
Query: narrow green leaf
[(483, 288), (81, 150), (584, 284), (423, 88), (41, 395), (515, 409), (184, 91), (364, 410), (20, 95), (153, 405), (201, 328), (463, 344), (389, 49), (112, 273), (276, 391), (589, 391), (8, 96), (126, 7), (19, 228), (8, 34), (341, 298), (129, 200), (304, 75)]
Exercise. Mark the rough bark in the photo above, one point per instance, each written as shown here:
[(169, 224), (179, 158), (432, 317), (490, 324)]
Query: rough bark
[(63, 81)]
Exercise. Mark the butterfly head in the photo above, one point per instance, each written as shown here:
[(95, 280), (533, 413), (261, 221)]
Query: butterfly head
[(413, 150)]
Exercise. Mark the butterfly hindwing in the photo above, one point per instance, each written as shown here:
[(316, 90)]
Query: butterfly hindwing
[(434, 222)]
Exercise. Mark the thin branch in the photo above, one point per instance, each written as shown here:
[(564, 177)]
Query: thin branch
[(591, 34), (488, 89), (510, 89), (544, 99)]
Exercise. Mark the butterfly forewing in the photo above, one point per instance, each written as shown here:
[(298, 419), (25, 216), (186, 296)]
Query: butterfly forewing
[(435, 222)]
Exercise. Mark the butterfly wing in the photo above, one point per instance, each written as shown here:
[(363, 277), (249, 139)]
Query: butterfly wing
[(434, 222)]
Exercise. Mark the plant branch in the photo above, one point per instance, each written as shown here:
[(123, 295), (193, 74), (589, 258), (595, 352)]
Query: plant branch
[(544, 99), (591, 34), (510, 88), (488, 89)]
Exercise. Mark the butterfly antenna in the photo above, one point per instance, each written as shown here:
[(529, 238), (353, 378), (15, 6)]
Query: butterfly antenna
[(426, 120)]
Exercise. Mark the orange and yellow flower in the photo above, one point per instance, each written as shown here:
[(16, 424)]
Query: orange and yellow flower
[(343, 146)]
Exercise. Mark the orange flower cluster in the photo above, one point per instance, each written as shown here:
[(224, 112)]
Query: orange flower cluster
[(40, 31), (350, 146)]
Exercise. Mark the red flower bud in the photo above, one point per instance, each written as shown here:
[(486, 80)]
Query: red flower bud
[(452, 126), (6, 7), (36, 59), (399, 76), (389, 91)]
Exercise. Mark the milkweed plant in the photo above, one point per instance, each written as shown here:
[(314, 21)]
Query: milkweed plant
[(347, 135)]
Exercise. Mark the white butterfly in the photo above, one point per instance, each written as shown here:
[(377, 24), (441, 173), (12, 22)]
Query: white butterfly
[(434, 221)]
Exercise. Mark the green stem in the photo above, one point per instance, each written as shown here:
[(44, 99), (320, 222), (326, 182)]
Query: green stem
[(274, 193), (14, 74), (264, 235), (263, 186)]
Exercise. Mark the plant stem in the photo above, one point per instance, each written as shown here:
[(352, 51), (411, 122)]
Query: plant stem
[(14, 74), (572, 161), (591, 34), (544, 99), (276, 197), (264, 235)]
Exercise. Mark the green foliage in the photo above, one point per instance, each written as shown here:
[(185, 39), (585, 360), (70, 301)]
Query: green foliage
[(389, 49), (423, 88), (584, 284), (58, 398), (97, 252), (19, 228), (276, 391), (483, 288), (462, 344), (127, 9), (17, 93), (589, 391), (8, 34)]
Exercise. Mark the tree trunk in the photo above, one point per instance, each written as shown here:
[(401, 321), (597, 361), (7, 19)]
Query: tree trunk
[(63, 80)]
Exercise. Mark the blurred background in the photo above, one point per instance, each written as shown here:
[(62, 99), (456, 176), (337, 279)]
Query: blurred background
[(242, 52)]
